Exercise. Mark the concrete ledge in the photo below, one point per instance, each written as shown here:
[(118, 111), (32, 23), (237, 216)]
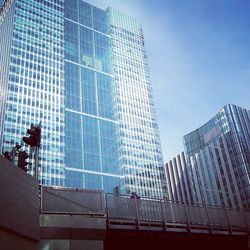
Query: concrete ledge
[(72, 221), (72, 233)]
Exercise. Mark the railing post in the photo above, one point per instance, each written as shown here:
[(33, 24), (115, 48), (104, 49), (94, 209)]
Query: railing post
[(228, 221), (208, 219), (247, 225), (136, 215), (107, 211), (41, 198), (163, 216), (188, 221)]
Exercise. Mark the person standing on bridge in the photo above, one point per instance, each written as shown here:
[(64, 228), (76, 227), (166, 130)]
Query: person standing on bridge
[(134, 204), (134, 195)]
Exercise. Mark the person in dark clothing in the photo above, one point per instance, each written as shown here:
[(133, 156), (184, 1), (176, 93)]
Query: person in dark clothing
[(134, 195), (134, 204)]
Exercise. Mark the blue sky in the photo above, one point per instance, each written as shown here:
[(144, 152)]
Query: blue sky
[(198, 53)]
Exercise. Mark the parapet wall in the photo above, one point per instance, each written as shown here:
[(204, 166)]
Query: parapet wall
[(19, 202)]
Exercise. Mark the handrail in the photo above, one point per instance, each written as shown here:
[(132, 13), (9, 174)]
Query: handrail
[(138, 213), (212, 218), (196, 204)]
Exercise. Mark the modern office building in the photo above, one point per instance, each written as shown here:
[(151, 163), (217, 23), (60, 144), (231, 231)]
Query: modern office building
[(83, 73), (216, 162), (178, 179)]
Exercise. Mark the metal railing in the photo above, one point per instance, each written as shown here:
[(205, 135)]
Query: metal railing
[(145, 213), (169, 215)]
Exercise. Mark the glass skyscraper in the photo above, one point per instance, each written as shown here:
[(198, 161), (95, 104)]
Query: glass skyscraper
[(32, 80), (82, 72), (215, 169)]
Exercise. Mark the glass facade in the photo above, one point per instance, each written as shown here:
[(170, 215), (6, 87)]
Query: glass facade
[(6, 26), (139, 142), (82, 72), (217, 162), (178, 180), (91, 142), (35, 82)]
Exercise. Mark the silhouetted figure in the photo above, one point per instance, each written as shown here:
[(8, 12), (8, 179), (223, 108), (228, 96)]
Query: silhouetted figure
[(133, 200), (134, 195)]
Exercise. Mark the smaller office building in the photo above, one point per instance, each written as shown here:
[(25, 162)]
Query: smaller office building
[(215, 168)]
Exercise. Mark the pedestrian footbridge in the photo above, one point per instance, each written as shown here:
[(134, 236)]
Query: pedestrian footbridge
[(123, 212)]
